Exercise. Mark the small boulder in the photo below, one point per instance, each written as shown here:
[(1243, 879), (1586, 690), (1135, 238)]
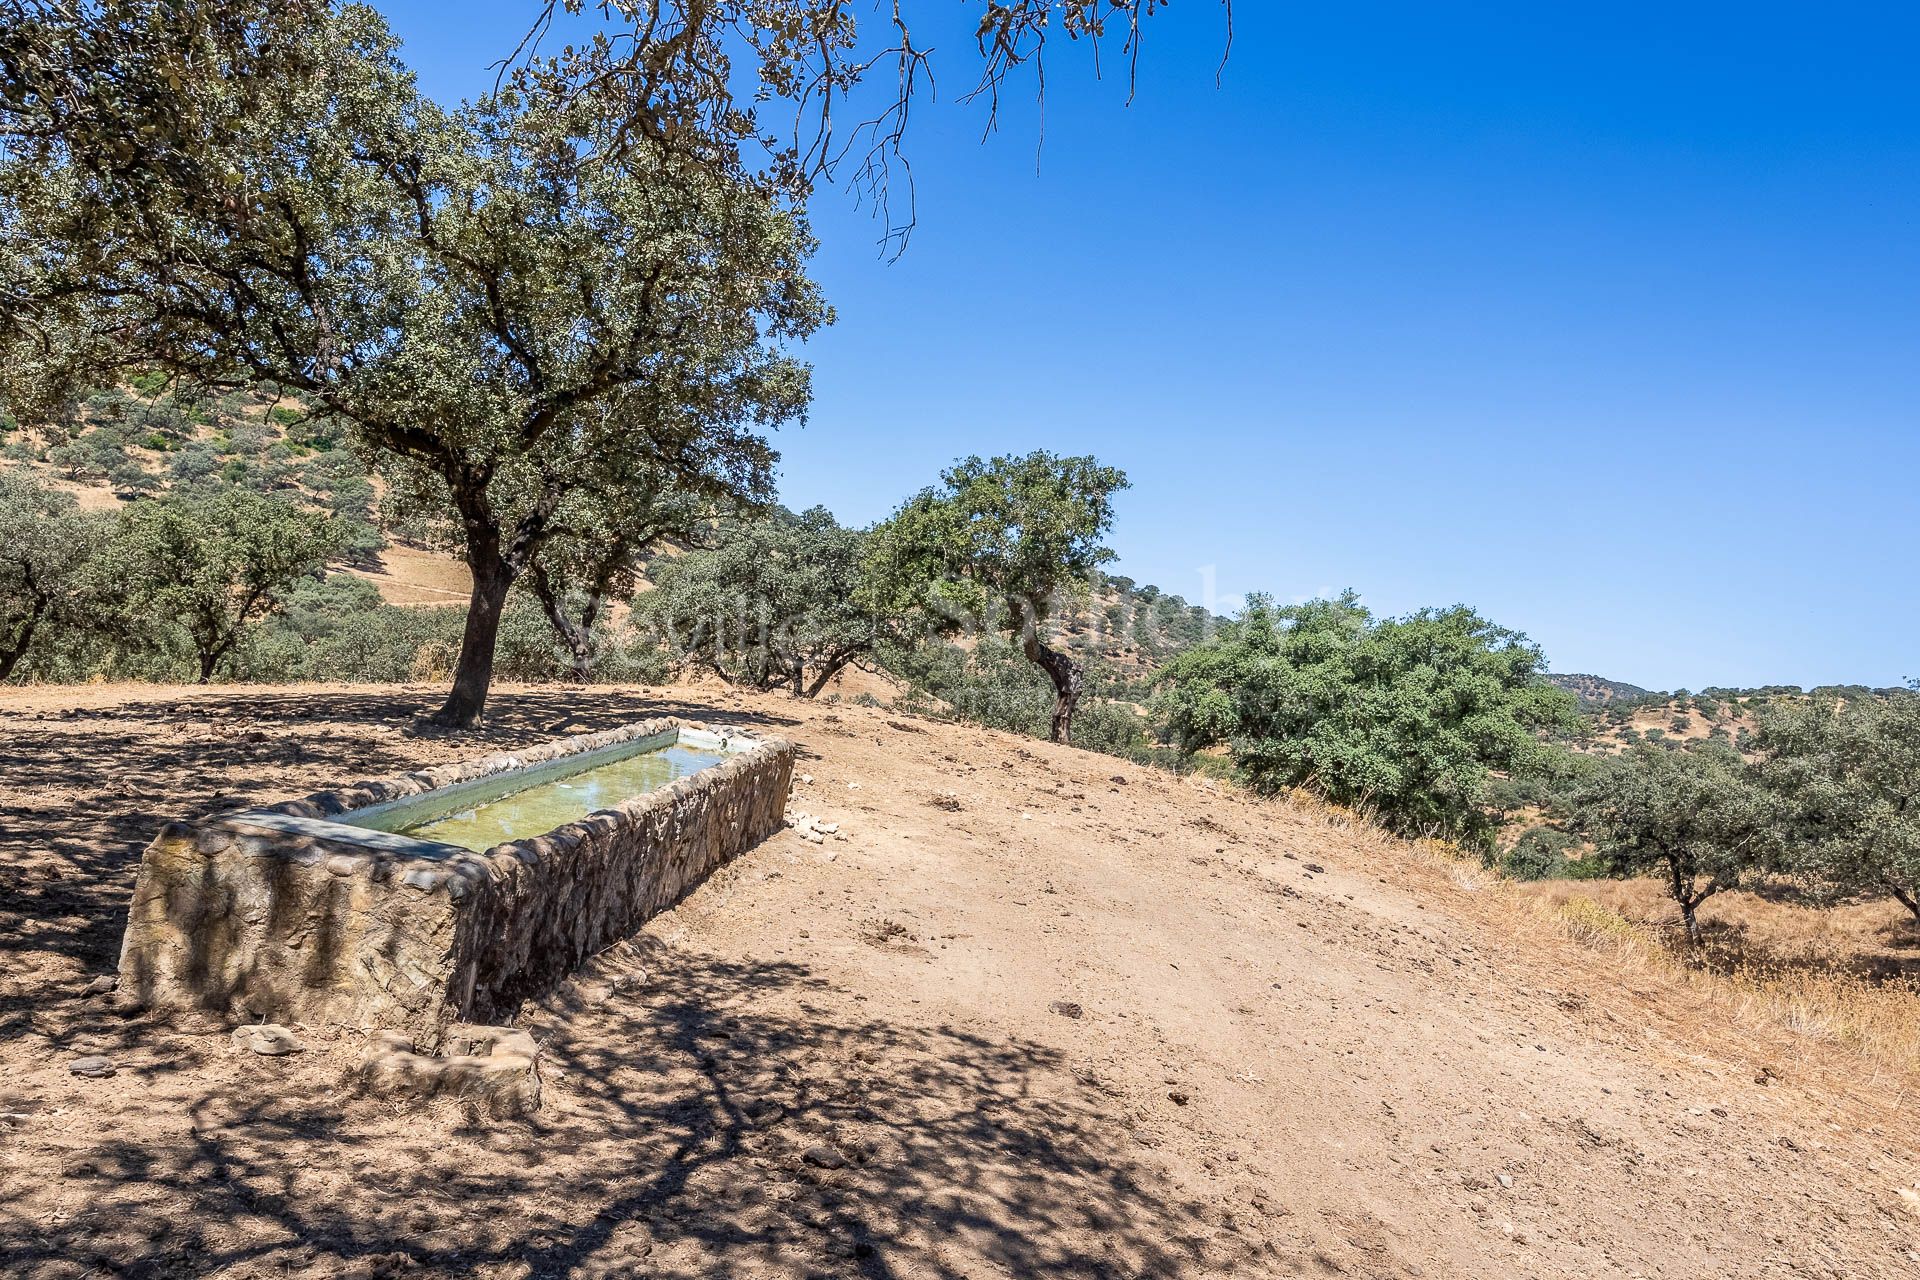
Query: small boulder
[(268, 1039), (822, 1156), (94, 1066)]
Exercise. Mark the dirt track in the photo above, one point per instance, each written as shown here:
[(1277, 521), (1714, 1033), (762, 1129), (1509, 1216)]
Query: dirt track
[(1301, 1049)]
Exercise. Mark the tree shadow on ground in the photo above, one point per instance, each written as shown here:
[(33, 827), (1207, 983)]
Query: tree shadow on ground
[(1736, 947), (83, 790), (710, 1118)]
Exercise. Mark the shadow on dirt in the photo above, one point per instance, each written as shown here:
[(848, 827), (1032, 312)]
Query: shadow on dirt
[(710, 1118), (82, 792)]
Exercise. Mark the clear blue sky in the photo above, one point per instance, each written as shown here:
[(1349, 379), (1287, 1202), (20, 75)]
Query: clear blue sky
[(1606, 321)]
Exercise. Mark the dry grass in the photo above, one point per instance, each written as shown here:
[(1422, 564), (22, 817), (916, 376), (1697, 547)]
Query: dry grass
[(1818, 989), (1814, 992), (1821, 976)]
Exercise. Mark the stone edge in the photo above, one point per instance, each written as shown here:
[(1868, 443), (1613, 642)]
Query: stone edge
[(461, 868)]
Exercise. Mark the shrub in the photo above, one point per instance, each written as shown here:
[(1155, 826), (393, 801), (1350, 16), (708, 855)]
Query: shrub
[(1404, 717), (339, 630), (1540, 854)]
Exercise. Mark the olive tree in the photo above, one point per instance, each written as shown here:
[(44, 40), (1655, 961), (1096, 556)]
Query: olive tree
[(1848, 773), (48, 548), (994, 545), (1697, 818), (504, 302), (218, 564)]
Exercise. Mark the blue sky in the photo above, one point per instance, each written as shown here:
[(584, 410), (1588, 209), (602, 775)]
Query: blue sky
[(1606, 322)]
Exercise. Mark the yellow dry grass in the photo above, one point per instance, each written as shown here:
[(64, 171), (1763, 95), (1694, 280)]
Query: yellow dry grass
[(1813, 991), (1810, 992)]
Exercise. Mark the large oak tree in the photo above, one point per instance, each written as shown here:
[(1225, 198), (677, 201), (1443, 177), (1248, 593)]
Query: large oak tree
[(504, 300)]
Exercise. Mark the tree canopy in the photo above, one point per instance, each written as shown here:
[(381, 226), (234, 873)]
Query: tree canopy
[(501, 300), (601, 534), (1848, 773), (47, 548), (778, 603), (218, 564), (793, 91), (1404, 717), (992, 546), (1696, 817)]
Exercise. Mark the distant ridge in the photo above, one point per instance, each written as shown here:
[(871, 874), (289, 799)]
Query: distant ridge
[(1598, 691)]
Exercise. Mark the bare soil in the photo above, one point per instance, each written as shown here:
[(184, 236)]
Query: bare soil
[(412, 576), (1040, 1013)]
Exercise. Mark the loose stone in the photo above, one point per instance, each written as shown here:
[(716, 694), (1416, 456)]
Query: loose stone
[(268, 1039), (822, 1156)]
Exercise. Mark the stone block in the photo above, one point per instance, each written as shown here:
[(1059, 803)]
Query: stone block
[(500, 1073)]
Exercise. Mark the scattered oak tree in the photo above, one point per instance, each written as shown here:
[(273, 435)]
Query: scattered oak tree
[(780, 602), (218, 564), (1404, 717), (994, 545), (1848, 773), (47, 551), (1695, 817), (505, 299), (601, 534), (597, 560)]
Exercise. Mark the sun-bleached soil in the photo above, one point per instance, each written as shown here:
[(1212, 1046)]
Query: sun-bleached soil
[(1040, 1013)]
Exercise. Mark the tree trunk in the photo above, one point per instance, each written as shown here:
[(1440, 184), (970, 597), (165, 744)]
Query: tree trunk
[(827, 671), (577, 637), (209, 659), (473, 674), (1680, 889), (1901, 894), (1689, 908), (10, 657), (1067, 676)]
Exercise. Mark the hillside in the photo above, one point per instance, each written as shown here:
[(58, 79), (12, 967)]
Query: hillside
[(1049, 1013), (1597, 691), (141, 438)]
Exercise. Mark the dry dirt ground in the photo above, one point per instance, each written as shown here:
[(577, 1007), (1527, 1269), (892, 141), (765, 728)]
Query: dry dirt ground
[(1044, 1013)]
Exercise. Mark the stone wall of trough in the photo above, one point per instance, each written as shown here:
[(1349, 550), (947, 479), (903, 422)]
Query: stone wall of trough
[(322, 926)]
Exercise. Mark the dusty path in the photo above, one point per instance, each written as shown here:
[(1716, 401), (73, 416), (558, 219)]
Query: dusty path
[(1299, 1049)]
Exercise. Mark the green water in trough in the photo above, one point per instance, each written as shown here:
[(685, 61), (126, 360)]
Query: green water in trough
[(538, 809)]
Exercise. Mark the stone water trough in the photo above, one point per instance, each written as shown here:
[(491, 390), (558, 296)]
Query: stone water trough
[(425, 901)]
